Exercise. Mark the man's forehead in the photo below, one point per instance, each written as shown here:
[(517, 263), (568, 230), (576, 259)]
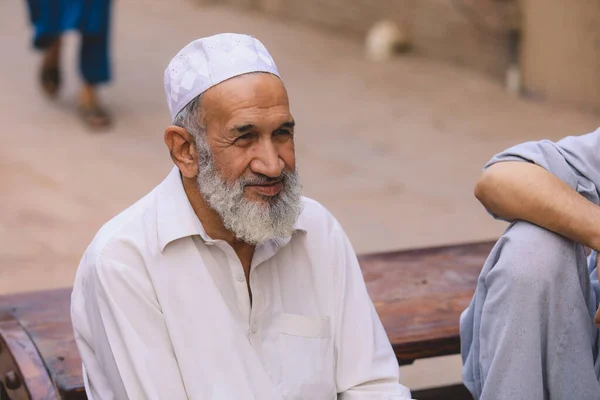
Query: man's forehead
[(248, 120), (248, 94), (246, 85)]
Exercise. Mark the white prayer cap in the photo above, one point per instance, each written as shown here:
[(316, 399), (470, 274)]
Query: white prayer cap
[(209, 61)]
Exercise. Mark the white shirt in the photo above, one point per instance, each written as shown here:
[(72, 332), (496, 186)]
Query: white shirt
[(162, 311)]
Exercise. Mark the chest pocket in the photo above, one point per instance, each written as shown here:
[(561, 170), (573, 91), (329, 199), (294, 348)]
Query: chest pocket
[(307, 356)]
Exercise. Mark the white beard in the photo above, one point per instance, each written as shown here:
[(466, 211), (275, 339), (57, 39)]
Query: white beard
[(253, 222)]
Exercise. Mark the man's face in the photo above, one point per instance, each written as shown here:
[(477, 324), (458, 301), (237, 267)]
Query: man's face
[(249, 129), (246, 159)]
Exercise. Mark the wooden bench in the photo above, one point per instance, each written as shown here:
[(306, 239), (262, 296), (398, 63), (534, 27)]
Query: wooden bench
[(419, 295)]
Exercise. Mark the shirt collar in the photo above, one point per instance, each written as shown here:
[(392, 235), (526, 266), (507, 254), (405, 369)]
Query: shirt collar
[(176, 218)]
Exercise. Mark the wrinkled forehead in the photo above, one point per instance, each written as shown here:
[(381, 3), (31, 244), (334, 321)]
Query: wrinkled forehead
[(251, 98)]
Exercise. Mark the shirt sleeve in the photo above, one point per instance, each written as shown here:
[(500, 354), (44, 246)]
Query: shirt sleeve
[(121, 334), (574, 160), (367, 368)]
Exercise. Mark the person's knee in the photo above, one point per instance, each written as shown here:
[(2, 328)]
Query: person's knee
[(534, 258)]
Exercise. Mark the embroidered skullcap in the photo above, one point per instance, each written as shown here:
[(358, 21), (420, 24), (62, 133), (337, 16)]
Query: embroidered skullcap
[(209, 61)]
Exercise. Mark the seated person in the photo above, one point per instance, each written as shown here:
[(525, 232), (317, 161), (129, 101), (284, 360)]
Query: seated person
[(224, 282), (529, 331)]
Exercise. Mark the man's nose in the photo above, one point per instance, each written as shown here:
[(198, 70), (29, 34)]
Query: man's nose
[(267, 162)]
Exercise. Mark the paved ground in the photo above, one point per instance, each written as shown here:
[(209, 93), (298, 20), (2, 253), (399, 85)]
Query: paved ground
[(393, 150)]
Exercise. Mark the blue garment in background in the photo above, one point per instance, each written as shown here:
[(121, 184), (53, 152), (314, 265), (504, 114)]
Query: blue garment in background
[(52, 18)]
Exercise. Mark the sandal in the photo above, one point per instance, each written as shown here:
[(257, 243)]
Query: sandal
[(50, 80), (95, 116)]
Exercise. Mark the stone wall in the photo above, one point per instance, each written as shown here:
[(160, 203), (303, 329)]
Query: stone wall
[(470, 33), (560, 53)]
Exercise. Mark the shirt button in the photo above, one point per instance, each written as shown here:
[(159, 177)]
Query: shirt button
[(254, 328), (240, 278)]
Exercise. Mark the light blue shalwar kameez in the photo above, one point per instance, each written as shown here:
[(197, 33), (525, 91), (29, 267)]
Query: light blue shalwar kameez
[(528, 332)]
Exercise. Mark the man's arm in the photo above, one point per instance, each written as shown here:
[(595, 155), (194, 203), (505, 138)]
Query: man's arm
[(121, 334), (523, 191), (552, 185), (367, 368)]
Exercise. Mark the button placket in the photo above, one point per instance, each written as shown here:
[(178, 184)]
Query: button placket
[(256, 304), (240, 286), (255, 311)]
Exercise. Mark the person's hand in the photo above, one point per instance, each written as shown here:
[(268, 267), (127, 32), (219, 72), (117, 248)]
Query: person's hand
[(597, 317)]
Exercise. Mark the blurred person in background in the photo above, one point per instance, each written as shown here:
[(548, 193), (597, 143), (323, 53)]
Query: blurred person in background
[(51, 19), (529, 331)]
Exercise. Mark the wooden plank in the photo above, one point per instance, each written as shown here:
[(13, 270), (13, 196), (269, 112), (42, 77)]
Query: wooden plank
[(46, 318), (420, 294), (23, 375), (455, 392)]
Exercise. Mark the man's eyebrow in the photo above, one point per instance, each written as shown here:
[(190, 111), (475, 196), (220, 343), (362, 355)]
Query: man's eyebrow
[(243, 128), (288, 125), (250, 127)]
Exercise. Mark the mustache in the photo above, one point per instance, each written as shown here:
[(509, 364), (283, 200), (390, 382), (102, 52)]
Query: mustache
[(258, 179)]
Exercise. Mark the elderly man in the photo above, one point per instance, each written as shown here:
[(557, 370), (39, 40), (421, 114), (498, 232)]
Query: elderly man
[(223, 282), (529, 332)]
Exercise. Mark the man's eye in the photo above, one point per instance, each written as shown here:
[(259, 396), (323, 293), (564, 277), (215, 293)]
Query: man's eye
[(246, 136), (281, 132)]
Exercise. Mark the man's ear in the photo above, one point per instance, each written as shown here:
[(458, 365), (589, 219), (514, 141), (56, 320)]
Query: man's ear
[(182, 148)]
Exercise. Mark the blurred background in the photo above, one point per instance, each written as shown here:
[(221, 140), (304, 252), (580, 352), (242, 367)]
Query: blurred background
[(399, 104)]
